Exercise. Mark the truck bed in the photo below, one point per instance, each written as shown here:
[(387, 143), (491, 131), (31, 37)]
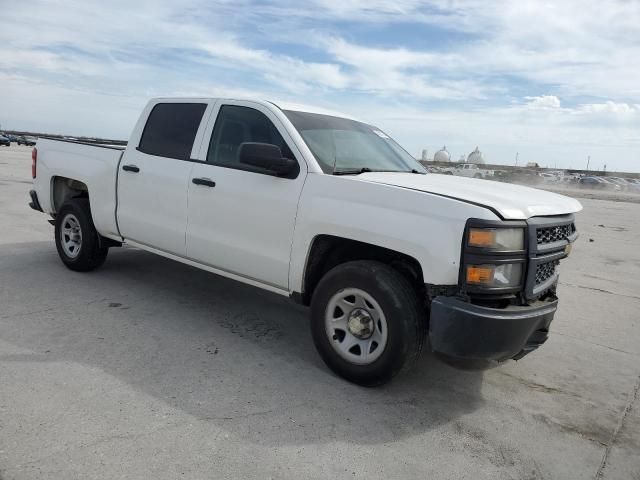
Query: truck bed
[(94, 165)]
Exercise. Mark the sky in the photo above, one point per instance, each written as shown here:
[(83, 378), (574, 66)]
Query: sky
[(552, 82)]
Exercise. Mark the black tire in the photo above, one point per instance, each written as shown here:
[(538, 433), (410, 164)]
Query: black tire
[(406, 323), (89, 254)]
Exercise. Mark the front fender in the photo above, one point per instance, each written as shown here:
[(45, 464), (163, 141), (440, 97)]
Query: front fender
[(424, 226)]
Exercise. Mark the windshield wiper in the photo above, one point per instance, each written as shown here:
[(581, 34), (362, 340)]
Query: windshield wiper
[(358, 171), (354, 171)]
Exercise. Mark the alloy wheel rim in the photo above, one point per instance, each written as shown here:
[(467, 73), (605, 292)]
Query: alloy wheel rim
[(71, 235), (356, 326)]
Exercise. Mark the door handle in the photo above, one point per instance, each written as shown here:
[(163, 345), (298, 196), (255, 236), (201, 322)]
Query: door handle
[(130, 168), (207, 182)]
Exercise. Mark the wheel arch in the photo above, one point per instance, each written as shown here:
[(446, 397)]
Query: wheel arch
[(328, 251), (64, 188)]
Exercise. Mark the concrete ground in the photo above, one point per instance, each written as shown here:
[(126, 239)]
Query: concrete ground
[(148, 368), (628, 196)]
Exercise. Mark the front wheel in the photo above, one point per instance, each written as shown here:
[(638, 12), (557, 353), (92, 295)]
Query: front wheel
[(366, 322), (77, 240)]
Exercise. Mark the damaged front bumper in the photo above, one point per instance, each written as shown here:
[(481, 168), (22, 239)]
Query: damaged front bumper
[(473, 336)]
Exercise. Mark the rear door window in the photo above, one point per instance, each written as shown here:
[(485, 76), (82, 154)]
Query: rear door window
[(171, 129)]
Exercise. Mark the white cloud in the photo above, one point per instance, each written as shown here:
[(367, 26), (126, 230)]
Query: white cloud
[(543, 102), (609, 107), (580, 46), (399, 71), (569, 44), (280, 69), (83, 56)]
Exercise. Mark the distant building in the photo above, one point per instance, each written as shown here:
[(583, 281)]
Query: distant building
[(442, 155), (424, 155), (475, 157)]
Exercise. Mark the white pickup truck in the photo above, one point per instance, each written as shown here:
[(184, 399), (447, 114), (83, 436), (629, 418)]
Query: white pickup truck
[(329, 211), (471, 170)]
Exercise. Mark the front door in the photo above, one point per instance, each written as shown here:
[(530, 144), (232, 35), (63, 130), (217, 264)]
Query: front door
[(242, 221)]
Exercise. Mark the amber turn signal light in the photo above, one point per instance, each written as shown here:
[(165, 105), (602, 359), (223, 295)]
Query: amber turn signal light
[(479, 275), (482, 238)]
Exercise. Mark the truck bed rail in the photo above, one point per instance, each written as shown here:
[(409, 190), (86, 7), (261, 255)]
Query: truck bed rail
[(91, 144)]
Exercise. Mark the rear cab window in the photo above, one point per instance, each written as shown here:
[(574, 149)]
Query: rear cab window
[(171, 130)]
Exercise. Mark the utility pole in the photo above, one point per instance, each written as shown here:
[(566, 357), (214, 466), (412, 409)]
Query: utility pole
[(588, 160), (517, 153)]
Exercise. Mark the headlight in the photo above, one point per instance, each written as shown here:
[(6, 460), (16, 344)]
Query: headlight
[(497, 239), (506, 275)]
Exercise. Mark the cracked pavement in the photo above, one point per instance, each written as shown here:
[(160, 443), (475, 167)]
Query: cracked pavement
[(148, 368)]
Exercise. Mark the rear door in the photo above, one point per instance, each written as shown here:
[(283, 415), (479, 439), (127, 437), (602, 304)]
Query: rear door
[(153, 180), (242, 221)]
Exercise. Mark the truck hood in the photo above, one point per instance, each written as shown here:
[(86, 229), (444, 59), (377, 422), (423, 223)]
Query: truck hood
[(511, 202)]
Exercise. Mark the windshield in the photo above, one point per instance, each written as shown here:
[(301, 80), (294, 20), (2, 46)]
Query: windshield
[(341, 145)]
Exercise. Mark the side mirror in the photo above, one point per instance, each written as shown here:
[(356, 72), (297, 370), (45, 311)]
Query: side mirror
[(267, 157)]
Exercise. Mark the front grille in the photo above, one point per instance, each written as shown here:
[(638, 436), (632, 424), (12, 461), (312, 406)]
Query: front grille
[(545, 271), (554, 234), (548, 240)]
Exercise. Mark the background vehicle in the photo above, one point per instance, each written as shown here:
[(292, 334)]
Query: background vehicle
[(624, 183), (551, 177), (633, 184), (329, 211), (5, 141), (471, 170), (613, 185), (438, 170), (592, 182), (27, 140)]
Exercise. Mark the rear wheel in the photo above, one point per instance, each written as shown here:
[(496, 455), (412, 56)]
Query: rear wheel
[(77, 241), (366, 322)]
